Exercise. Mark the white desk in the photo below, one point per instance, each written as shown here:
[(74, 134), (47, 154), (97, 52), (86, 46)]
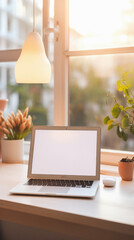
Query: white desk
[(109, 215)]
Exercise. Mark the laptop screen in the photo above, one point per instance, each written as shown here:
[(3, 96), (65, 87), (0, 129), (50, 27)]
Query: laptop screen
[(65, 152)]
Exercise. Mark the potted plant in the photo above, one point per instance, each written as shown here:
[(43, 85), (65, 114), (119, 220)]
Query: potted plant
[(122, 115), (126, 168), (14, 129)]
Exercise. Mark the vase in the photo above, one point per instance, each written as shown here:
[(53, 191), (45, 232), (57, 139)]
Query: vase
[(126, 170), (12, 150), (3, 103)]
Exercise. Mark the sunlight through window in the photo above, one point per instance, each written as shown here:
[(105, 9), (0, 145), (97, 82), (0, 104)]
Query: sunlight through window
[(101, 24)]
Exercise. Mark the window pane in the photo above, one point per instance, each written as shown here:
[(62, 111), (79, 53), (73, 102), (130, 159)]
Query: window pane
[(90, 78), (38, 97), (16, 21), (101, 23)]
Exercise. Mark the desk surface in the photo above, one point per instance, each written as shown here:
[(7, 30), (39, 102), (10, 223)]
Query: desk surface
[(111, 209)]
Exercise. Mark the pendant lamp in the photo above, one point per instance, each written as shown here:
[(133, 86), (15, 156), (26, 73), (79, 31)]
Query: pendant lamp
[(33, 65)]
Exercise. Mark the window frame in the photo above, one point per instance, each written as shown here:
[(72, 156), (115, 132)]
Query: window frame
[(61, 99), (61, 58), (61, 17)]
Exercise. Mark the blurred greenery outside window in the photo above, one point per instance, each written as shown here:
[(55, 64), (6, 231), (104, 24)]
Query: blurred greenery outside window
[(90, 80), (100, 50)]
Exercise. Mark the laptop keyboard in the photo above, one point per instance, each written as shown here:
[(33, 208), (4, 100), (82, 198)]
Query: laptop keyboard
[(60, 183)]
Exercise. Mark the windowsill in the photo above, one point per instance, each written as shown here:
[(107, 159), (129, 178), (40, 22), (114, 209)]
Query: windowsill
[(109, 170), (112, 157)]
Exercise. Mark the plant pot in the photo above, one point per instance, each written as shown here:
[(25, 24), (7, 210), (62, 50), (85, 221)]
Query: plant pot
[(3, 103), (12, 150), (126, 170)]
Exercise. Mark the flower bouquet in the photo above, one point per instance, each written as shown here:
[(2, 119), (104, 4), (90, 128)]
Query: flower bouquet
[(16, 127)]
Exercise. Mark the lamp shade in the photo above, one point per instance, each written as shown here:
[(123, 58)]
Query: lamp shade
[(33, 65)]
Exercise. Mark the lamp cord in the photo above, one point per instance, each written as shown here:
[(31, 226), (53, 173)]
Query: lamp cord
[(33, 15)]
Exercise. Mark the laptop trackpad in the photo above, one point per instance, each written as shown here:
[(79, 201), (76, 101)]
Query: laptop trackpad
[(54, 190)]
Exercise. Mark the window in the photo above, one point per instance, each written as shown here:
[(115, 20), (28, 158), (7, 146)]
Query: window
[(100, 24), (91, 46), (97, 48), (15, 24), (100, 50)]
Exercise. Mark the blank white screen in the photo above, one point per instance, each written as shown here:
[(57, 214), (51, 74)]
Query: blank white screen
[(65, 152)]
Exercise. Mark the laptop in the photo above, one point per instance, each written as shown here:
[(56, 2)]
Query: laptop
[(63, 161)]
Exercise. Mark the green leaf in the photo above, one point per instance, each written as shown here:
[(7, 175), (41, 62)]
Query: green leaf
[(132, 129), (119, 86), (122, 86), (124, 136), (121, 107), (116, 111), (125, 122), (130, 101), (126, 92), (110, 127), (119, 132), (110, 122), (106, 119), (127, 108)]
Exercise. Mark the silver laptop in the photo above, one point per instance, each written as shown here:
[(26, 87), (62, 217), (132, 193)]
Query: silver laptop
[(63, 161)]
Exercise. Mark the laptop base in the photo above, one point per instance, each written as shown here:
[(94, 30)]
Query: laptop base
[(56, 191)]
